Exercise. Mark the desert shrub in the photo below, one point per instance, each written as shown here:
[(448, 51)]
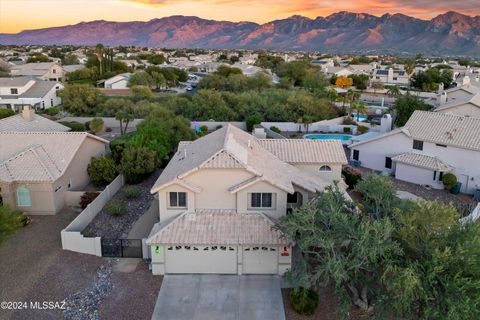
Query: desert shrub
[(303, 301), (10, 222), (116, 207), (87, 125), (253, 120), (108, 129), (218, 127), (449, 180), (74, 126), (52, 111), (204, 129), (348, 121), (362, 129), (87, 198), (347, 130), (131, 192), (96, 125), (6, 113), (137, 163), (352, 176), (275, 129), (102, 170)]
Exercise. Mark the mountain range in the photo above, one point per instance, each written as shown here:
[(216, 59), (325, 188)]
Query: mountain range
[(451, 33)]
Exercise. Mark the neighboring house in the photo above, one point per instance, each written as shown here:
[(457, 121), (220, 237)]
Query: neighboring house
[(391, 77), (249, 70), (428, 146), (120, 81), (37, 169), (51, 71), (17, 92), (468, 107), (28, 121), (72, 67), (220, 195)]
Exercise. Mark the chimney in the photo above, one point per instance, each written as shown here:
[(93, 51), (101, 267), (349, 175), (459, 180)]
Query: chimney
[(466, 81), (28, 113), (386, 123), (442, 98)]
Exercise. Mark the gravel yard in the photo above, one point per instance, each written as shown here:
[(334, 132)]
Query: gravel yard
[(34, 268), (114, 227)]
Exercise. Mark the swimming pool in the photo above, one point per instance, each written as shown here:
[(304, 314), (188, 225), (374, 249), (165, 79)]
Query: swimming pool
[(360, 117), (345, 138)]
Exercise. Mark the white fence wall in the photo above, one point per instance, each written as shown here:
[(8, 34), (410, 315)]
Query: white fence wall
[(212, 125), (332, 125), (72, 239)]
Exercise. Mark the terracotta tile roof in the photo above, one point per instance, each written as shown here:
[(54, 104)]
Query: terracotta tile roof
[(423, 161), (219, 227), (41, 156), (231, 147), (443, 128), (38, 123), (305, 151)]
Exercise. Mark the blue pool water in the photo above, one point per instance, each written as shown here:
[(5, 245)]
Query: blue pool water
[(328, 136), (360, 117)]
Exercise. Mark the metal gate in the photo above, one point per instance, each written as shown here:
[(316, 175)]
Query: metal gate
[(122, 248)]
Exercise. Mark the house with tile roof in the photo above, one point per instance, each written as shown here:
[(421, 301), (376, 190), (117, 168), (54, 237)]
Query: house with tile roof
[(29, 121), (428, 146), (220, 195), (37, 169), (50, 71), (462, 101), (17, 92)]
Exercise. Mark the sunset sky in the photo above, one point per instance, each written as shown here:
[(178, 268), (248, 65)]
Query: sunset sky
[(18, 15)]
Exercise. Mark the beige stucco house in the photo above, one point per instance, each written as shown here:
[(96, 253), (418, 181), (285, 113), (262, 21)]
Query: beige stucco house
[(220, 195), (37, 169)]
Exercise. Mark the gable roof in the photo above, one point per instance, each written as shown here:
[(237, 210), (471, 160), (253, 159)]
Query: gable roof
[(422, 161), (33, 69), (41, 156), (38, 123), (14, 81), (473, 100), (305, 150), (441, 128), (218, 227), (230, 147)]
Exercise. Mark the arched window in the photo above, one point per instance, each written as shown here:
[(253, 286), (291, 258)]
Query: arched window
[(24, 198), (325, 168)]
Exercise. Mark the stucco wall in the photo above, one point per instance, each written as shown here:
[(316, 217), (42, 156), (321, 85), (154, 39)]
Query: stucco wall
[(280, 198), (41, 195), (334, 175), (372, 154), (417, 175)]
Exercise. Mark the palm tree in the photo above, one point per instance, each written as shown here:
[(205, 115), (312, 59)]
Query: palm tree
[(307, 121), (360, 107), (393, 91), (99, 52)]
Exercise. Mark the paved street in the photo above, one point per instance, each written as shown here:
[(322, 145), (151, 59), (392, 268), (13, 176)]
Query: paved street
[(225, 297)]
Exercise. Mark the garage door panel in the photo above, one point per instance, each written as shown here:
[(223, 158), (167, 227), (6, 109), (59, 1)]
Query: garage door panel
[(201, 259), (260, 260)]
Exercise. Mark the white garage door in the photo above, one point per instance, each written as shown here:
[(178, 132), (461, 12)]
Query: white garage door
[(260, 260), (201, 259)]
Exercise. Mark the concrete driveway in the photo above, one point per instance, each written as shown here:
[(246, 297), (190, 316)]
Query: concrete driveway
[(225, 297)]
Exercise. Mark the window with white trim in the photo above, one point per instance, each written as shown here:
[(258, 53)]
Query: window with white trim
[(325, 168), (261, 200), (177, 199), (24, 198)]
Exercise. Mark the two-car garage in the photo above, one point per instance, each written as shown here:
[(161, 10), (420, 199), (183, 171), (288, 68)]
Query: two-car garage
[(221, 259), (227, 243)]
